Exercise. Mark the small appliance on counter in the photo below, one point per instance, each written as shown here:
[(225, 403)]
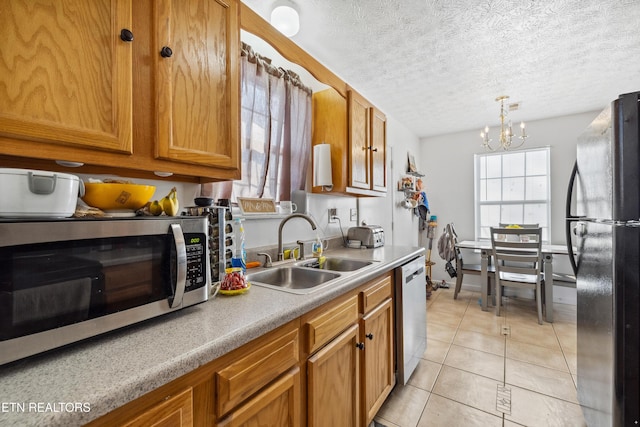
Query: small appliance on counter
[(370, 236), (64, 280), (220, 236), (28, 193)]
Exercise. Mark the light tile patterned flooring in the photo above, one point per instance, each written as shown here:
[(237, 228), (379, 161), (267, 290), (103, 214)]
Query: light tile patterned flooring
[(483, 370)]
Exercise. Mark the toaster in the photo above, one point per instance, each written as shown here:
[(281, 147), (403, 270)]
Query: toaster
[(371, 236)]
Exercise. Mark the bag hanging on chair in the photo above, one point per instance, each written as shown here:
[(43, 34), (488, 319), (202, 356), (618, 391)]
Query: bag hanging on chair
[(446, 250)]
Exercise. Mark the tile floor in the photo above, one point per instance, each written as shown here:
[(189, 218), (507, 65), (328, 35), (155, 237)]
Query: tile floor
[(484, 370)]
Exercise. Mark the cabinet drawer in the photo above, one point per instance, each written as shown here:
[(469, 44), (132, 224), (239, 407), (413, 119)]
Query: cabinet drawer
[(324, 327), (373, 295), (250, 373), (276, 405), (175, 411)]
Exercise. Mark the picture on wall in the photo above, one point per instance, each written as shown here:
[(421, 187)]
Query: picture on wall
[(412, 163)]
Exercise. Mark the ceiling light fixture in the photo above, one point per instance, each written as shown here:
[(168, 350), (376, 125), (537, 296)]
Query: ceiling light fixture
[(506, 133), (286, 20)]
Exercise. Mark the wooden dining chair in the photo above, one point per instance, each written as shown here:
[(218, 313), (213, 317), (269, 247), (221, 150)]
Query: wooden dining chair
[(462, 268), (518, 262)]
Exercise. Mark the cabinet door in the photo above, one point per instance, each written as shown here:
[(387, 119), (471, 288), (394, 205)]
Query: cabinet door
[(333, 383), (377, 372), (277, 405), (378, 150), (66, 73), (359, 147), (197, 82), (174, 412)]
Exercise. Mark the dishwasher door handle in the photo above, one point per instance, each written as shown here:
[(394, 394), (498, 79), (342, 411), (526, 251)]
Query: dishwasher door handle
[(410, 277)]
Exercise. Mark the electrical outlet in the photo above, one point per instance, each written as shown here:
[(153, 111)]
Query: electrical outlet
[(353, 214), (332, 212)]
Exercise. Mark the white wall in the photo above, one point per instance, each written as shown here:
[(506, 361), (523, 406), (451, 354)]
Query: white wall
[(448, 163)]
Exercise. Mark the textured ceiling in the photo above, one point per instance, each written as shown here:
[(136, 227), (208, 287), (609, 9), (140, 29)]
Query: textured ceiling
[(437, 66)]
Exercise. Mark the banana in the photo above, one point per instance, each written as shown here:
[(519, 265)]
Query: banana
[(155, 208), (170, 203)]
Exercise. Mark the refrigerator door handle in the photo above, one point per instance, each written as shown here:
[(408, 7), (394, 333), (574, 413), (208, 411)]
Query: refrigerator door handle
[(571, 218), (580, 230)]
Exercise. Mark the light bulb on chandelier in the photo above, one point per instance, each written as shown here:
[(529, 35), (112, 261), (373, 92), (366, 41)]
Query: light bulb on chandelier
[(506, 131)]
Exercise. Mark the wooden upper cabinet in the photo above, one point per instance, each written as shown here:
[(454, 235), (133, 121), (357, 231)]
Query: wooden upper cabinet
[(197, 59), (356, 131), (65, 73), (359, 141), (367, 147), (378, 150)]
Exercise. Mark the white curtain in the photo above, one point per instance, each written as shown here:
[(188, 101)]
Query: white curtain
[(275, 133)]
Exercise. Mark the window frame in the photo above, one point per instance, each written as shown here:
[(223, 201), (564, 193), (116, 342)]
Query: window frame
[(478, 203)]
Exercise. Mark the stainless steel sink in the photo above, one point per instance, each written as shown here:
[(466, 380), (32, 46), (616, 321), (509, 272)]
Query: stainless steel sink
[(292, 279), (336, 264)]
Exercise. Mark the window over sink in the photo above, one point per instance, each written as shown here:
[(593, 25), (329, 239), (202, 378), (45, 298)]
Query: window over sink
[(275, 132)]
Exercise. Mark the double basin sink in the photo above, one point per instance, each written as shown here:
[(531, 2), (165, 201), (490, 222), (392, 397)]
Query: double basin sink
[(306, 276)]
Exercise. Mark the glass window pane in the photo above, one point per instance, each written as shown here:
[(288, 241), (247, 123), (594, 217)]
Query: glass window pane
[(494, 166), (537, 162), (536, 213), (489, 215), (512, 214), (513, 164), (536, 188), (513, 189), (494, 189), (483, 190), (485, 233), (483, 167)]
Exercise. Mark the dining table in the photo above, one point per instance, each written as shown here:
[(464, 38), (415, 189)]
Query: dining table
[(548, 251)]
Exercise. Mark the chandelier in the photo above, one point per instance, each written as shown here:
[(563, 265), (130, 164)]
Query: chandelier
[(506, 132)]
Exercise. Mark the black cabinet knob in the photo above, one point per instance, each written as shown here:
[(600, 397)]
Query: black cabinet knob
[(360, 345), (370, 336), (166, 52), (126, 35)]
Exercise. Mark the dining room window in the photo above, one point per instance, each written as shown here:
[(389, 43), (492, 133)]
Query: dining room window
[(512, 187)]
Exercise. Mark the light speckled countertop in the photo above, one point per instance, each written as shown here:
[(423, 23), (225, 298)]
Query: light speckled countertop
[(105, 372)]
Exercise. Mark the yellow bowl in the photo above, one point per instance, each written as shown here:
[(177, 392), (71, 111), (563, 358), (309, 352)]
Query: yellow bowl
[(112, 196)]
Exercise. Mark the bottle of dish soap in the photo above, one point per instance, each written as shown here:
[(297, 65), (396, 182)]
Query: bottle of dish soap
[(316, 247), (239, 257)]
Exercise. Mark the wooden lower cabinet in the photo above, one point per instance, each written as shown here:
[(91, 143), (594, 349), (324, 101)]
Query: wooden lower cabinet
[(278, 405), (377, 368), (177, 411), (333, 367), (333, 382)]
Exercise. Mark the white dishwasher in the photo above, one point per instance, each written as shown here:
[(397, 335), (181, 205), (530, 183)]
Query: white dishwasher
[(411, 317)]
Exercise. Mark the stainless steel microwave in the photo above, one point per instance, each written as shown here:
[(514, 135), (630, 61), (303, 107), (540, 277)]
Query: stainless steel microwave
[(62, 281)]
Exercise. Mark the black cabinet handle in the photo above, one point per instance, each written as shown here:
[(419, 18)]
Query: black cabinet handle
[(166, 52), (360, 345), (374, 149), (370, 336), (126, 35)]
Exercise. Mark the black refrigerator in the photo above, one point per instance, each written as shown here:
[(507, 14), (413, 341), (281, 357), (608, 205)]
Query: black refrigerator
[(605, 231)]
